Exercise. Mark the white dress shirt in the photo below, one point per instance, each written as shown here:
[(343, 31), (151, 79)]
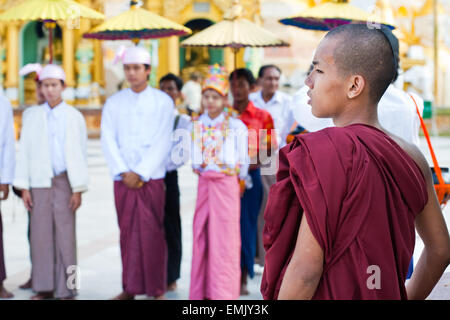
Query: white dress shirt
[(44, 133), (7, 141), (181, 136), (280, 108), (234, 151), (136, 132), (396, 113), (56, 123)]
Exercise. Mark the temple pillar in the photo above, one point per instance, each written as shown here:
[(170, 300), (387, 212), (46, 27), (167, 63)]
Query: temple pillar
[(68, 63), (240, 58), (229, 59), (234, 59), (99, 74), (85, 24), (173, 48), (163, 53), (12, 74)]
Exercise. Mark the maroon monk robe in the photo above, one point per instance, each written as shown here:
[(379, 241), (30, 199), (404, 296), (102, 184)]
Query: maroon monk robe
[(142, 239), (360, 192)]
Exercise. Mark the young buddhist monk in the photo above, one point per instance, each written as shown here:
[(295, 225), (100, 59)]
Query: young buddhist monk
[(340, 221)]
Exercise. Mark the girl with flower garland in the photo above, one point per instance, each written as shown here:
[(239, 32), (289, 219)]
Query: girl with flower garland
[(220, 158)]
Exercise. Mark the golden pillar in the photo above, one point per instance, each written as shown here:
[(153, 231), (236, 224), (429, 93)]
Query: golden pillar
[(69, 56), (68, 63), (163, 60), (12, 74), (85, 24), (229, 59), (99, 76), (234, 59), (240, 58), (173, 55)]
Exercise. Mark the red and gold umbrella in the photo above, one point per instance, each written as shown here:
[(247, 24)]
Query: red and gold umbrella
[(49, 11)]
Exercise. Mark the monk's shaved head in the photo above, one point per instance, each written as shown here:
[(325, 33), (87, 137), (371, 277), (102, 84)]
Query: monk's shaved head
[(368, 53)]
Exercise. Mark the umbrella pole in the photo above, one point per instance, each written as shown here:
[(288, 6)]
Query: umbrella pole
[(235, 52), (50, 44)]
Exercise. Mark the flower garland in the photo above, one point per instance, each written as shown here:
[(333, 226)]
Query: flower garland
[(201, 135)]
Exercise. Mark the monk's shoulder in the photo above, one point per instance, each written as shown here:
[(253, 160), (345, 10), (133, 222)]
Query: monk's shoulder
[(414, 152), (328, 137), (333, 141)]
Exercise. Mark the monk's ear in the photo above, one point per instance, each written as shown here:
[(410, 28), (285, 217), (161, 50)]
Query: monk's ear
[(356, 86)]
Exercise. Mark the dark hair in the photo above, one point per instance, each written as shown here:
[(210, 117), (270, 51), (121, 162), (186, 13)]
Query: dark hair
[(367, 52), (147, 67), (40, 82), (194, 76), (243, 73), (395, 46), (174, 78), (264, 68)]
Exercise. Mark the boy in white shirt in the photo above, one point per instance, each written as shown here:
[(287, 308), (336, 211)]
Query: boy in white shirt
[(136, 139), (52, 174)]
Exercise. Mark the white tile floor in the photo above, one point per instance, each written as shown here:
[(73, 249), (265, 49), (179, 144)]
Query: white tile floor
[(98, 241)]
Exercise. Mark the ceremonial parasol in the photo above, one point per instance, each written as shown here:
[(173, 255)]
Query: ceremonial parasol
[(331, 14), (135, 24), (49, 11), (234, 32)]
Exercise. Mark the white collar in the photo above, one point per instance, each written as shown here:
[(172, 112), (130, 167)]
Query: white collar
[(57, 110), (139, 93), (276, 98), (212, 122)]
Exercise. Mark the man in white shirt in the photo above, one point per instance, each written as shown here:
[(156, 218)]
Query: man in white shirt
[(279, 105), (397, 113), (52, 174), (276, 102), (136, 133), (172, 85), (7, 162)]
